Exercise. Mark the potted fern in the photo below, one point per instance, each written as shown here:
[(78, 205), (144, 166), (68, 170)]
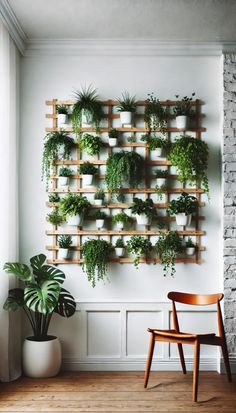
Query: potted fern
[(96, 255), (64, 243), (138, 246), (190, 247), (87, 110), (64, 175), (55, 218), (40, 295), (62, 115), (119, 247), (183, 208), (53, 198), (155, 115), (100, 219), (126, 106), (183, 111), (99, 197), (143, 210), (74, 207), (88, 171), (168, 247), (120, 220), (113, 136), (90, 144)]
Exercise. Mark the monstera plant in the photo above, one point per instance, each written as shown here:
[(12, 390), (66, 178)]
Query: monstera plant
[(40, 295)]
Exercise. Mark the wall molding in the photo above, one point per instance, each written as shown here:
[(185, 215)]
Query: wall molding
[(14, 28)]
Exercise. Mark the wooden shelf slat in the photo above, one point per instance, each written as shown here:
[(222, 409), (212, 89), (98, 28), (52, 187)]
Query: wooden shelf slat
[(111, 102), (129, 190), (133, 129), (124, 232), (129, 261)]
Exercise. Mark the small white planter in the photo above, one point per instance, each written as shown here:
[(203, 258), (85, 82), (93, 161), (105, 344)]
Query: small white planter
[(120, 252), (98, 202), (126, 118), (190, 251), (120, 225), (156, 153), (74, 220), (41, 359), (87, 180), (142, 219), (100, 223), (161, 182), (183, 219), (86, 119), (63, 253), (63, 180), (112, 141), (181, 122), (62, 119)]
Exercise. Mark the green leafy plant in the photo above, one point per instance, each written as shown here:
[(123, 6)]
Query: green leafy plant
[(127, 103), (160, 190), (155, 115), (120, 217), (96, 254), (138, 246), (53, 198), (189, 243), (87, 168), (113, 133), (160, 173), (100, 215), (90, 144), (41, 294), (155, 142), (186, 204), (168, 247), (64, 171), (143, 207), (87, 102), (64, 241), (73, 204), (131, 139), (55, 218), (99, 194), (57, 145), (183, 106), (124, 167), (119, 243), (190, 156), (62, 109)]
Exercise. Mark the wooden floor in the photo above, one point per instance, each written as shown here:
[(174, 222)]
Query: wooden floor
[(119, 392)]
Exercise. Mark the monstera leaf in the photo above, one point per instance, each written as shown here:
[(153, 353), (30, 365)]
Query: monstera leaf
[(42, 298), (21, 271), (15, 300), (66, 305), (45, 272)]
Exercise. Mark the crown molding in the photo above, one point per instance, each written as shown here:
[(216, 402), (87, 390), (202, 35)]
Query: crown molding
[(13, 26)]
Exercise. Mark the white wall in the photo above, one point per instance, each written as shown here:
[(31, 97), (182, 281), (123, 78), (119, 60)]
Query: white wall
[(132, 301)]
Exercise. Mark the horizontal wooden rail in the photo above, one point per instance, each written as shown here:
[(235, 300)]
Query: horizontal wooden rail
[(163, 205), (129, 190), (111, 102), (73, 248), (129, 261), (132, 129), (124, 232)]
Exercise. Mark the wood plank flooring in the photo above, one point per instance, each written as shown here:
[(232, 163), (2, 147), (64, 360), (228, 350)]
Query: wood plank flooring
[(119, 392)]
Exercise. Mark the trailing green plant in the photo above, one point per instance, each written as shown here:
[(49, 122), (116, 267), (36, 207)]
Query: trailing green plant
[(120, 197), (64, 241), (64, 171), (138, 246), (168, 247), (87, 168), (96, 254), (143, 207), (189, 243), (73, 204), (183, 106), (87, 103), (120, 217), (186, 204), (99, 194), (113, 133), (131, 139), (155, 115), (100, 214), (160, 190), (155, 142), (55, 218), (124, 167), (90, 144), (160, 173), (127, 103), (62, 109), (41, 294), (190, 156), (57, 145), (53, 198), (119, 243)]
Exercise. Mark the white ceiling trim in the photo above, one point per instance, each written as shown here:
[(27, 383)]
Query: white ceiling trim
[(10, 21)]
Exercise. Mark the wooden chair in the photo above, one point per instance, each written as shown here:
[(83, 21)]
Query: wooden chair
[(175, 336)]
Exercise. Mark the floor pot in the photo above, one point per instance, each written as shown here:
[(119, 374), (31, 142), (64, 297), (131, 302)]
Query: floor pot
[(142, 219), (100, 223), (161, 182), (190, 250), (42, 359), (74, 220), (63, 181), (62, 119), (126, 118), (156, 153), (63, 253), (98, 202), (87, 180), (112, 141), (120, 225), (181, 122), (183, 219), (119, 251)]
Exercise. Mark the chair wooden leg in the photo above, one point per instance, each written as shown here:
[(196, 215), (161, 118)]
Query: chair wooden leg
[(226, 360), (181, 355), (196, 369), (149, 359)]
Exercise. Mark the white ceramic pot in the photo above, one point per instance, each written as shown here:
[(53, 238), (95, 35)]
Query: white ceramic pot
[(98, 202), (86, 118), (63, 253), (181, 122), (120, 225), (41, 359), (87, 180), (74, 220), (126, 118), (100, 223), (183, 219), (142, 219), (62, 119), (161, 182), (119, 251), (63, 181), (190, 250), (157, 152), (112, 141)]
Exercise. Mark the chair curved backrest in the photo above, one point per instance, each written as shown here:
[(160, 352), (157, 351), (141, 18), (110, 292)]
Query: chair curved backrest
[(195, 299)]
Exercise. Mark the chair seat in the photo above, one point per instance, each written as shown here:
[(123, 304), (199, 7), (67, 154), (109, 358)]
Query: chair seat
[(179, 335)]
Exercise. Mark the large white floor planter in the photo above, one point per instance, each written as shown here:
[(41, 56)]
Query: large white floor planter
[(74, 220), (42, 359), (183, 219), (126, 118), (182, 122), (87, 180), (142, 219)]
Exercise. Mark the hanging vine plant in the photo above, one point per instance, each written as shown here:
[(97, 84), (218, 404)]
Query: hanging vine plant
[(168, 247), (96, 254), (190, 156), (124, 168), (155, 115), (87, 105)]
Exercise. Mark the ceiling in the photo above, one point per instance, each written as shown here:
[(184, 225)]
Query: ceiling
[(162, 20)]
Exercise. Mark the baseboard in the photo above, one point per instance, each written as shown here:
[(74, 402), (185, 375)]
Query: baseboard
[(232, 365)]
